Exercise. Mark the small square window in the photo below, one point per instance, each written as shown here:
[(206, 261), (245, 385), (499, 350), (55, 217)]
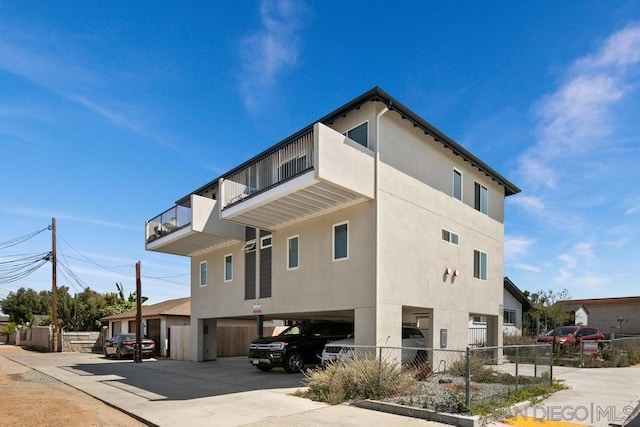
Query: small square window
[(359, 134), (450, 237), (480, 320), (265, 242), (203, 273), (509, 317), (228, 268), (249, 246)]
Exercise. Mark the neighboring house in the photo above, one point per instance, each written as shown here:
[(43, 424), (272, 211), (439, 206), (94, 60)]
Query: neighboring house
[(515, 308), (370, 214), (157, 320), (620, 315)]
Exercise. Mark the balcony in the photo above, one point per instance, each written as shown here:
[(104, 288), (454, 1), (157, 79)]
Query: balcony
[(190, 228), (313, 174)]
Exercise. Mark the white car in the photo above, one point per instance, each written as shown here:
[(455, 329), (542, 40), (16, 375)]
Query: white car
[(413, 341)]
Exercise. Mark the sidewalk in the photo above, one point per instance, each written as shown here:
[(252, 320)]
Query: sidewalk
[(229, 392)]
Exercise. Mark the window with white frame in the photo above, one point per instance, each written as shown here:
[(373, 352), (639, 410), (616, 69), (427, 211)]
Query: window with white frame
[(481, 198), (341, 241), (203, 273), (479, 320), (359, 134), (457, 185), (265, 242), (450, 236), (509, 317), (479, 265), (228, 268), (249, 246), (293, 252)]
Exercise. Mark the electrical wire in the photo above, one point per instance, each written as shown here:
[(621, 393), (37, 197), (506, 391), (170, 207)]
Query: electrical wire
[(14, 270), (21, 239)]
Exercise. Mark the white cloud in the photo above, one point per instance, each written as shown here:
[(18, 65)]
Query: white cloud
[(516, 246), (527, 267), (529, 203), (634, 207), (42, 213), (270, 50), (577, 118)]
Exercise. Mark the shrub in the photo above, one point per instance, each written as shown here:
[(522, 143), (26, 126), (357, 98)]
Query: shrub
[(9, 328), (358, 379), (512, 339)]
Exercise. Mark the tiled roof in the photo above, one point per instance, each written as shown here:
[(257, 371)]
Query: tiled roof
[(172, 307)]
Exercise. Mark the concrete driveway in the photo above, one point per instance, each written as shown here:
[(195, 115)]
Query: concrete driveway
[(226, 392)]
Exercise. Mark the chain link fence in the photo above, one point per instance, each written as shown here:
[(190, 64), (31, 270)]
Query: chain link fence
[(438, 379), (616, 352)]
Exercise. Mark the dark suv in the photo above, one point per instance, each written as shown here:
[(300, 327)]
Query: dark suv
[(297, 345)]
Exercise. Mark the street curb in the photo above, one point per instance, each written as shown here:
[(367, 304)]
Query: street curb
[(425, 414)]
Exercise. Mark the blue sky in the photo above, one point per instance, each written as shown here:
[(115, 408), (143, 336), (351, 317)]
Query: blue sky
[(111, 111)]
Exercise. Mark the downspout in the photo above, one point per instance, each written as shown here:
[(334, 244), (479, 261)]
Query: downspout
[(377, 210)]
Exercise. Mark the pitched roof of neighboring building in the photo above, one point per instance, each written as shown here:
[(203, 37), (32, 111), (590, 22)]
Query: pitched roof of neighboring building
[(517, 294), (377, 94), (603, 301), (172, 307)]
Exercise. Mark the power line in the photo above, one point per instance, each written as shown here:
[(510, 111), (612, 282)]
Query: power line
[(17, 240), (14, 270)]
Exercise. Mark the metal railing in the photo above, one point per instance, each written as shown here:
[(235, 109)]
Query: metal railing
[(167, 222), (440, 379), (477, 337), (275, 167)]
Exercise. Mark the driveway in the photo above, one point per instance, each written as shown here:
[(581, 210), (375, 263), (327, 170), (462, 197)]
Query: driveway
[(226, 392)]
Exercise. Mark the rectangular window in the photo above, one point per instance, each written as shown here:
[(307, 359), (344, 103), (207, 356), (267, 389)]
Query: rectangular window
[(359, 134), (249, 246), (480, 320), (293, 254), (479, 265), (457, 184), (265, 242), (450, 236), (341, 241), (228, 268), (203, 273), (509, 317), (481, 198)]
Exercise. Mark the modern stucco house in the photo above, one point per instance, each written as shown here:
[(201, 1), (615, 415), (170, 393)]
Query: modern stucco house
[(369, 214)]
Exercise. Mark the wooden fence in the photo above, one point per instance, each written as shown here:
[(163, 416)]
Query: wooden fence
[(232, 341)]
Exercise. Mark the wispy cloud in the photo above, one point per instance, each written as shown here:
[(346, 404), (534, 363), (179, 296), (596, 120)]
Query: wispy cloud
[(634, 206), (527, 267), (577, 117), (270, 50), (517, 246), (43, 213)]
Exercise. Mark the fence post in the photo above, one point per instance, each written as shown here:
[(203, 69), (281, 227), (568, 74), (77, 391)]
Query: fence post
[(551, 366), (581, 354), (535, 362), (467, 391), (517, 362), (380, 372), (613, 353)]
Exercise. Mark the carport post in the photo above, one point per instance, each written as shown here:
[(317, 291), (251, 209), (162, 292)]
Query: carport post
[(259, 323)]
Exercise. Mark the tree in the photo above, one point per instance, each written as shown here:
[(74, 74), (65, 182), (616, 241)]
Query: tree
[(548, 306), (23, 304)]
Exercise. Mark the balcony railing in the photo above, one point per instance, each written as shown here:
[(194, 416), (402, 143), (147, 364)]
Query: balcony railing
[(167, 222), (273, 168)]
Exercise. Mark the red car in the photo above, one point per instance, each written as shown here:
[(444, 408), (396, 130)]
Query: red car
[(572, 335)]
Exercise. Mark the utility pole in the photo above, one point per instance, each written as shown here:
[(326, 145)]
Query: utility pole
[(137, 354), (54, 286)]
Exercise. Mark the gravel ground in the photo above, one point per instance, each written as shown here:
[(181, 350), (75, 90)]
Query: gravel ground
[(31, 398), (446, 393)]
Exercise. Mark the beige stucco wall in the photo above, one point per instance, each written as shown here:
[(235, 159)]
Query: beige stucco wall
[(604, 317)]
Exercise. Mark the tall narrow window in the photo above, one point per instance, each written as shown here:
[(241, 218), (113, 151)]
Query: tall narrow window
[(457, 184), (203, 273), (359, 134), (341, 241), (481, 198), (479, 265), (228, 268), (293, 257)]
